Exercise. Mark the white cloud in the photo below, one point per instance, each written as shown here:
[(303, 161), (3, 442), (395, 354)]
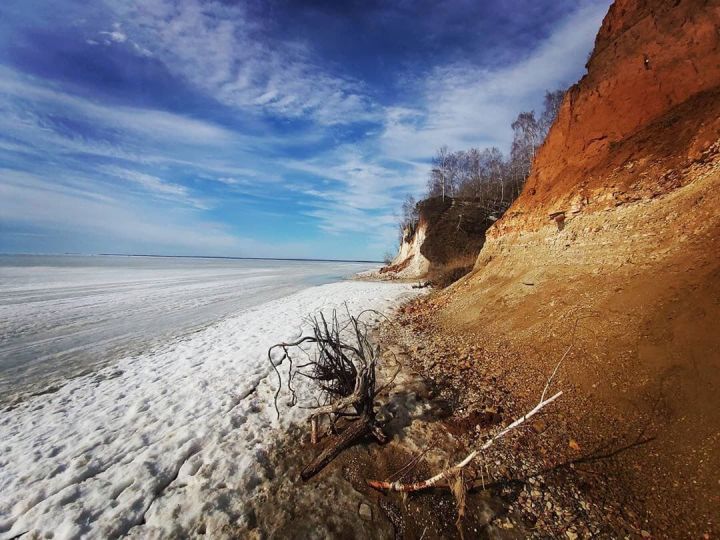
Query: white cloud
[(157, 186), (32, 113), (360, 194), (32, 122), (464, 105), (220, 50), (29, 199), (157, 124), (116, 35)]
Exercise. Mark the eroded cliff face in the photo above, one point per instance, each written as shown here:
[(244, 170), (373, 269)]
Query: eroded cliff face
[(447, 238), (613, 251), (410, 263), (646, 108)]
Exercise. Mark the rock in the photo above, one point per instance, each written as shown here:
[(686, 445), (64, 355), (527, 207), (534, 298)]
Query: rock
[(645, 534), (365, 512), (571, 535)]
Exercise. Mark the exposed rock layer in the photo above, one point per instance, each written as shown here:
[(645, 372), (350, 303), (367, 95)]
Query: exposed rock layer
[(627, 270), (623, 125), (449, 234)]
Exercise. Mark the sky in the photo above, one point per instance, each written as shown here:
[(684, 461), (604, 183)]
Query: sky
[(269, 128)]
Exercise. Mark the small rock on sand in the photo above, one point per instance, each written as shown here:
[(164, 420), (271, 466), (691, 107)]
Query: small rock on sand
[(365, 512)]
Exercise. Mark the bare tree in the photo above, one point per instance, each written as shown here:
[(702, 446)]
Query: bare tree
[(441, 178), (409, 217), (409, 211), (473, 181), (526, 139), (494, 164), (552, 103)]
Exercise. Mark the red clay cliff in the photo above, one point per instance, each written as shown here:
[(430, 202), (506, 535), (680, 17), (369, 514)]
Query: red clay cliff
[(613, 250)]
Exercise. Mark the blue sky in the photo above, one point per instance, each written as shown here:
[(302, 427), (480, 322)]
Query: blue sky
[(268, 128)]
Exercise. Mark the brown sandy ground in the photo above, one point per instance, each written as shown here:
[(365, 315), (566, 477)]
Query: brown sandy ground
[(638, 304), (537, 482)]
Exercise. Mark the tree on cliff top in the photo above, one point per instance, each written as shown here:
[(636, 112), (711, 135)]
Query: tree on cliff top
[(485, 174), (526, 139), (551, 107), (409, 218)]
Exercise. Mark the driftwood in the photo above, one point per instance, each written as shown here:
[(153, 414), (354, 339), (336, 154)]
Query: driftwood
[(454, 477), (342, 364), (356, 431), (448, 475)]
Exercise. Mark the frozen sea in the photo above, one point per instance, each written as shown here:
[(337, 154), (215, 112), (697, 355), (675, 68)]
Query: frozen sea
[(164, 415), (65, 315)]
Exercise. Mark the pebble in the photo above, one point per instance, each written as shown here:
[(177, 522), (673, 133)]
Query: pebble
[(365, 512)]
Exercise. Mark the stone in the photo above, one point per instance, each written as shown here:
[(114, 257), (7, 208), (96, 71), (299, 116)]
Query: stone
[(365, 512)]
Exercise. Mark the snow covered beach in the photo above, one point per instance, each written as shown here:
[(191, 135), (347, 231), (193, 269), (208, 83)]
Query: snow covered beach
[(164, 442)]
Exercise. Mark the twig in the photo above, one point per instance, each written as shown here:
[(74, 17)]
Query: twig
[(408, 466), (547, 384), (448, 473)]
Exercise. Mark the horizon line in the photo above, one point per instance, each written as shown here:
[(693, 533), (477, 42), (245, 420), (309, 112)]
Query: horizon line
[(298, 259)]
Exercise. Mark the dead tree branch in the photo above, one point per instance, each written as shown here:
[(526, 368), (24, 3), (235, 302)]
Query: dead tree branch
[(448, 474), (342, 364)]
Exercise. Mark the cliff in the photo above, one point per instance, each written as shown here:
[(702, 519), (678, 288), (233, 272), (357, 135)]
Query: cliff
[(611, 252), (444, 242), (645, 111)]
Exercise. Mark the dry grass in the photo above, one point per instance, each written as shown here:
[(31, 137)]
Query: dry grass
[(442, 276)]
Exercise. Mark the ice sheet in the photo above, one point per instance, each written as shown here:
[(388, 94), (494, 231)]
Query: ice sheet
[(63, 315)]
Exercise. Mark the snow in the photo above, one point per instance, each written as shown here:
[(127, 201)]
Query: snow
[(164, 443)]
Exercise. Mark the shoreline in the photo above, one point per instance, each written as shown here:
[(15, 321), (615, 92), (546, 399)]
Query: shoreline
[(68, 316), (235, 472), (166, 442)]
